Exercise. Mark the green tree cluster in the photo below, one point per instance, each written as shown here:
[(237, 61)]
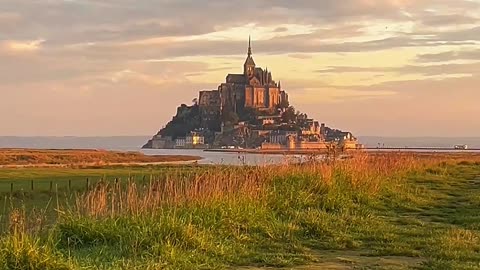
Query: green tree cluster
[(187, 119)]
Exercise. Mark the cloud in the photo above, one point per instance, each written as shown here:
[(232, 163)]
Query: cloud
[(22, 46), (425, 70), (75, 55), (64, 22), (429, 107), (433, 20), (450, 56), (8, 20), (300, 56), (449, 92), (321, 95), (280, 29)]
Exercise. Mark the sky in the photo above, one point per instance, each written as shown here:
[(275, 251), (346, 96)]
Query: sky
[(121, 67)]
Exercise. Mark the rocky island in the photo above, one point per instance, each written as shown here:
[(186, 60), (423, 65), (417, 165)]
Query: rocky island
[(249, 111)]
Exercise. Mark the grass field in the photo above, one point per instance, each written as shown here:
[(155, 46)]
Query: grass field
[(392, 211), (34, 157), (38, 187), (22, 177)]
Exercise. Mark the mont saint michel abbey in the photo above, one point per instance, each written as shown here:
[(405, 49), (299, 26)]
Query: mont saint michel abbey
[(248, 110), (254, 88)]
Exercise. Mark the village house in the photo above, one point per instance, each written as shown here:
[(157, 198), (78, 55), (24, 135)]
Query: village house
[(180, 142), (195, 140)]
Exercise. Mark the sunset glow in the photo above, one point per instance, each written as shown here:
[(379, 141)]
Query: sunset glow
[(121, 67)]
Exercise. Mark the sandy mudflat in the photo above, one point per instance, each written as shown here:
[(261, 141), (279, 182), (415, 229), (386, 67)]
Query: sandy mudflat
[(87, 157)]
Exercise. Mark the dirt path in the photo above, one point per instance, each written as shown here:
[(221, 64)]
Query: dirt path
[(350, 260), (354, 260)]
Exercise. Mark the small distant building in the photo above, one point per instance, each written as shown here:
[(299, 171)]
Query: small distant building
[(194, 140), (281, 136), (347, 141), (348, 136), (180, 142), (351, 144), (269, 119), (210, 99), (316, 128), (272, 146), (159, 142), (261, 132), (323, 130), (335, 135), (294, 143)]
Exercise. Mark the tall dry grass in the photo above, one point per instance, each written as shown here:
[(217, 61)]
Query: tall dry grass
[(362, 171), (215, 217)]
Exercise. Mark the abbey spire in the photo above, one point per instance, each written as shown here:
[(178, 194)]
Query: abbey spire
[(249, 66)]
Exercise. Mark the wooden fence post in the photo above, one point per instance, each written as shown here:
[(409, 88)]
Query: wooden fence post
[(51, 186), (31, 185), (11, 188), (69, 185), (88, 183)]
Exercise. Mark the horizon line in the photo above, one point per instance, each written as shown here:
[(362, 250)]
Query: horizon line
[(117, 136)]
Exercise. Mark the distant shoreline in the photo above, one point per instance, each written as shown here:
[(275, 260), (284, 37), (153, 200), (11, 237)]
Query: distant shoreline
[(269, 151), (48, 158), (325, 151), (126, 143), (423, 148)]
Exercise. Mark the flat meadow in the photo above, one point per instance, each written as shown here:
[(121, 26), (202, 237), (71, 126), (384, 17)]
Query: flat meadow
[(370, 211), (80, 158)]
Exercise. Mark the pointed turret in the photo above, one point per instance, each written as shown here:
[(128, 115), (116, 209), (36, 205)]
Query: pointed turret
[(249, 66), (265, 76), (249, 46)]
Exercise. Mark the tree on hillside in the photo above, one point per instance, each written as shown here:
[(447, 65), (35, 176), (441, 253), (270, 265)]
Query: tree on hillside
[(301, 116), (289, 115), (187, 119)]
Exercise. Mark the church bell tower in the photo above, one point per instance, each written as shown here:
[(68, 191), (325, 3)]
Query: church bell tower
[(249, 66)]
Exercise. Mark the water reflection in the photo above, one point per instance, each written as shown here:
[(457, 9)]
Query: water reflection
[(222, 158)]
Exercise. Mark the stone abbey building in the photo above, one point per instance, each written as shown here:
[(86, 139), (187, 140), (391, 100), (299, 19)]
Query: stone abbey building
[(248, 110), (254, 88)]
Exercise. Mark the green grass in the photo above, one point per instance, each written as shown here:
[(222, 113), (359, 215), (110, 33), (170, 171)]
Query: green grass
[(423, 220), (52, 185), (22, 177)]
